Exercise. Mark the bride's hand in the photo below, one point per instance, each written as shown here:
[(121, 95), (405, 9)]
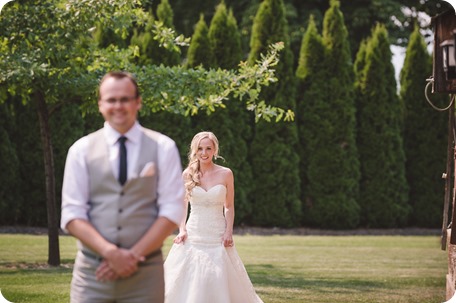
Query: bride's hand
[(181, 237), (227, 239)]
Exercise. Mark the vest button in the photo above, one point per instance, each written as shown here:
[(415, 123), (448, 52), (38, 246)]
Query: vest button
[(122, 193), (120, 210), (119, 227)]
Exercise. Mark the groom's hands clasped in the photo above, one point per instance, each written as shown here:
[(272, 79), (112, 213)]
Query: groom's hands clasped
[(119, 263)]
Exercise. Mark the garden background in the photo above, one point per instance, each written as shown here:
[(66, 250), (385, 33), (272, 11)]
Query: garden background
[(362, 151)]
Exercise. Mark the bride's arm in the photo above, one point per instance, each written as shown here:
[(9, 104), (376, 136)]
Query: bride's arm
[(229, 209), (182, 236)]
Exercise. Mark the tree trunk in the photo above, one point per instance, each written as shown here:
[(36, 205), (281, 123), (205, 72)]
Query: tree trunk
[(53, 225)]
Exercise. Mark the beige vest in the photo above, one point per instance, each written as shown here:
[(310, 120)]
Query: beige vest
[(121, 214)]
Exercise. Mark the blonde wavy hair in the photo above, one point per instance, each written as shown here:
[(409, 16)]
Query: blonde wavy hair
[(193, 173)]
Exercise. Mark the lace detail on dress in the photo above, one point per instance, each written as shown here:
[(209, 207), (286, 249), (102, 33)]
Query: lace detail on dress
[(202, 270)]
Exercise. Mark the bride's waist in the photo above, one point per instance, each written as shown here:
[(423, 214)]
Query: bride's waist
[(206, 227)]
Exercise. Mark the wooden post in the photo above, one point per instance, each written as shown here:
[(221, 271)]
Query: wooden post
[(447, 177), (452, 132)]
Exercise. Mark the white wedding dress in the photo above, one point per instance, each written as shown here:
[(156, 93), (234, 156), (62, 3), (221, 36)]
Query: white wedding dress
[(202, 270)]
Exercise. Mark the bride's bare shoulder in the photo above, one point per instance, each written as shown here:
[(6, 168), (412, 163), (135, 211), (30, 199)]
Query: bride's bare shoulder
[(225, 171)]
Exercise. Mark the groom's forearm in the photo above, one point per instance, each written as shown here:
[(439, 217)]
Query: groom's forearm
[(153, 239)]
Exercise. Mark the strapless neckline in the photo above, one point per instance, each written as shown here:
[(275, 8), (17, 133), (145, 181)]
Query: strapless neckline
[(209, 189)]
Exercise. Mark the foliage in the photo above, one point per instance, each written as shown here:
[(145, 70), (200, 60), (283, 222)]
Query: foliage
[(360, 16), (142, 37), (383, 187), (162, 120), (311, 101), (200, 52), (49, 63), (329, 158), (425, 136), (31, 199), (224, 38), (273, 151), (63, 60), (168, 56), (341, 143), (10, 199), (67, 126), (232, 124)]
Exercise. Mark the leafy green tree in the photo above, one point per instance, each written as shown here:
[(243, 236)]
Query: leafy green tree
[(59, 62), (383, 186), (425, 136), (273, 151), (162, 120), (199, 51)]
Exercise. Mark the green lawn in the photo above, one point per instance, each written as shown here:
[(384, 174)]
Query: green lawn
[(313, 269)]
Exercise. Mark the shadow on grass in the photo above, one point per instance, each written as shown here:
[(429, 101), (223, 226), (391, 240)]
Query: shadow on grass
[(268, 275)]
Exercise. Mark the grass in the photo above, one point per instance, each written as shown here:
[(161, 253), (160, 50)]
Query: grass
[(291, 269)]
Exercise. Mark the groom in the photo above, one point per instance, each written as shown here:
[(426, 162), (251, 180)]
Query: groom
[(122, 196)]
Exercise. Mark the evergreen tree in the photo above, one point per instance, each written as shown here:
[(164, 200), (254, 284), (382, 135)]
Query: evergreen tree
[(143, 38), (311, 103), (425, 137), (199, 51), (150, 50), (273, 151), (106, 36), (224, 38), (174, 125), (383, 186), (332, 169), (343, 182), (165, 121), (231, 124), (165, 15)]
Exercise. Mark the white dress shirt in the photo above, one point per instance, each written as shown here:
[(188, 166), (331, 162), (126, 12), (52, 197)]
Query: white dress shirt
[(170, 189)]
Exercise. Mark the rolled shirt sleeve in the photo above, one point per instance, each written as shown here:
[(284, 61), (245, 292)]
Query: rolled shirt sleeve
[(75, 188)]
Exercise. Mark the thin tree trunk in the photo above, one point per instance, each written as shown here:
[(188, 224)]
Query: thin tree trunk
[(53, 229)]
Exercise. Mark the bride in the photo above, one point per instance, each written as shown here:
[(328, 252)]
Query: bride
[(203, 264)]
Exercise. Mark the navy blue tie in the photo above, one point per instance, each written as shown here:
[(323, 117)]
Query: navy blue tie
[(122, 160)]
